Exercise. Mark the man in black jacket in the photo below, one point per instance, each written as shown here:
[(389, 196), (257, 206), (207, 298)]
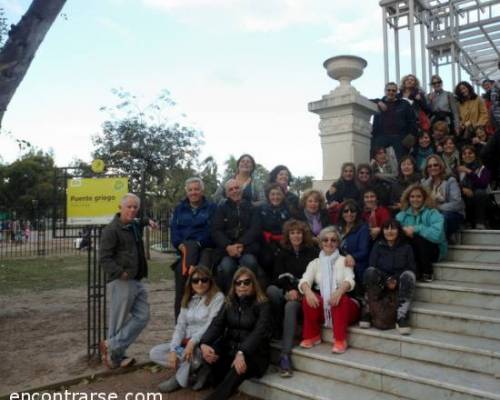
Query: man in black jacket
[(121, 256), (395, 121), (235, 232)]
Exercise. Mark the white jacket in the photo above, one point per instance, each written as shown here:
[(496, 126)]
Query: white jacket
[(313, 274)]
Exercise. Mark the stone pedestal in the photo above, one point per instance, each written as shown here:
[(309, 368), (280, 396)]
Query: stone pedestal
[(345, 128)]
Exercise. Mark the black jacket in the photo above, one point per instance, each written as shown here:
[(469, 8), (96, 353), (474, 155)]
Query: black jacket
[(273, 218), (394, 260), (236, 223), (122, 249), (402, 118), (290, 266), (242, 325)]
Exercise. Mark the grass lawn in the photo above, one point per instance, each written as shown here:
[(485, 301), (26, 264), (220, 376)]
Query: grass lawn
[(45, 273)]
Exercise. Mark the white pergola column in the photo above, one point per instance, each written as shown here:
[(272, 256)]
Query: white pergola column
[(345, 128)]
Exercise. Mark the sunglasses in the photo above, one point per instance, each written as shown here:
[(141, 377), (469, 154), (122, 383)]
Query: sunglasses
[(243, 282), (329, 240), (436, 82), (195, 281), (348, 210), (391, 90)]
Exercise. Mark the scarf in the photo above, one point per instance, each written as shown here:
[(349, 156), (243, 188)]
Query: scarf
[(328, 283), (314, 222)]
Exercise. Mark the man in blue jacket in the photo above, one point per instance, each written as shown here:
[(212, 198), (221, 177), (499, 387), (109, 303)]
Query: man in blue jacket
[(191, 234)]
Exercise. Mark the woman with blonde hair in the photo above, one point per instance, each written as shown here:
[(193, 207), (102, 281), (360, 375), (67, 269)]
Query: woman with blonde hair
[(410, 91), (236, 344), (423, 225), (313, 211), (201, 302)]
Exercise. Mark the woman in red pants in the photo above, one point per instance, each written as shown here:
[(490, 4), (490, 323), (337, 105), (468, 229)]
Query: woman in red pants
[(325, 285)]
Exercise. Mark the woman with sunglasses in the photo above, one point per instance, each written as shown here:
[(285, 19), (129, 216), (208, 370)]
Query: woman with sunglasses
[(443, 105), (201, 302), (325, 285), (297, 251), (236, 344), (423, 225), (391, 267), (446, 194)]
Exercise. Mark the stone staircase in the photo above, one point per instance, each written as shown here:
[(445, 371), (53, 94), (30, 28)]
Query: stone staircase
[(453, 351)]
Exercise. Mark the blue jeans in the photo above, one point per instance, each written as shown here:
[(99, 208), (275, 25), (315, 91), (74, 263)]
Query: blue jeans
[(229, 265), (128, 315), (452, 221)]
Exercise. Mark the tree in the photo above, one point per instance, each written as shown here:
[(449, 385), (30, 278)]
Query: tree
[(146, 146), (301, 183), (23, 41), (261, 174)]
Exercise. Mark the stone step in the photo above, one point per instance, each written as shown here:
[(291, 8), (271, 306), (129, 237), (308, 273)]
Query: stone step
[(467, 272), (463, 320), (304, 386), (444, 348), (474, 253), (480, 237), (394, 375), (479, 295)]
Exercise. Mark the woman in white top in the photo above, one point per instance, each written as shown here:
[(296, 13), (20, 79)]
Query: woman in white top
[(324, 286), (201, 302)]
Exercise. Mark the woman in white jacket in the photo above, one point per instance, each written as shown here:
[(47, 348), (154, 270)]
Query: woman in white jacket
[(201, 302), (324, 286)]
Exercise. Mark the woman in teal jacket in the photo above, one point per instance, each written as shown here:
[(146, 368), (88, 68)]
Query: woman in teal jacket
[(423, 224)]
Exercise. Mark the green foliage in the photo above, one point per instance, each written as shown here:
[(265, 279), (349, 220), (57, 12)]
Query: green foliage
[(261, 174), (29, 178), (301, 183)]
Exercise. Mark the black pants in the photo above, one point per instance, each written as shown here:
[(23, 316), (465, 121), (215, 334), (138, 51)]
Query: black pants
[(194, 255), (475, 207), (425, 253)]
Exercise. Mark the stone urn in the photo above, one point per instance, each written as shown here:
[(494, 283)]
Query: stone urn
[(345, 69)]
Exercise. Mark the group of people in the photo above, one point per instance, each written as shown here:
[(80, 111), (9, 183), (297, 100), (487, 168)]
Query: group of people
[(257, 262)]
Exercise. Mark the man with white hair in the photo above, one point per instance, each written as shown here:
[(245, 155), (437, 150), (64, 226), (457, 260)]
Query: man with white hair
[(122, 257)]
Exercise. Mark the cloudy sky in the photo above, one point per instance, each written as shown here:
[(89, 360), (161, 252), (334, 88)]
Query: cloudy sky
[(242, 71)]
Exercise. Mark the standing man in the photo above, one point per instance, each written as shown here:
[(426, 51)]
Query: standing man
[(191, 236), (122, 257), (395, 125)]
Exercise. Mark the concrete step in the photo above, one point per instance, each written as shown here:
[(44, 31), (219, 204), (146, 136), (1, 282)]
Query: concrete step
[(479, 295), (467, 272), (463, 320), (480, 237), (395, 375), (304, 386), (444, 348), (474, 253)]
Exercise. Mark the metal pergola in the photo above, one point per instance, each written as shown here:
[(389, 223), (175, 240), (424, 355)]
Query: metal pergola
[(461, 34)]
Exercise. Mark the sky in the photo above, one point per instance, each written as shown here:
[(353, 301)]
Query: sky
[(242, 71)]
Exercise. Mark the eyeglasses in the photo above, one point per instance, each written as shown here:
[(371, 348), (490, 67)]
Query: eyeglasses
[(432, 165), (436, 82), (195, 281), (391, 90), (348, 210), (243, 282), (329, 240)]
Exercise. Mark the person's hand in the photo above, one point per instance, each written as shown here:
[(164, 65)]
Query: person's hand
[(439, 148), (467, 192), (335, 297), (292, 295), (208, 353), (475, 140), (239, 363), (409, 231), (418, 97), (382, 106), (464, 169), (181, 247), (467, 124), (124, 276), (374, 232), (188, 350), (232, 250), (172, 360), (391, 283), (349, 261), (311, 299), (239, 249), (153, 224)]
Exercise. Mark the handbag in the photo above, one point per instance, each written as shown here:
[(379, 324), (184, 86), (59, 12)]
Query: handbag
[(424, 121)]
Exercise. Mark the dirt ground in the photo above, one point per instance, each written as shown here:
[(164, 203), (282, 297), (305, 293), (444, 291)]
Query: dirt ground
[(43, 339)]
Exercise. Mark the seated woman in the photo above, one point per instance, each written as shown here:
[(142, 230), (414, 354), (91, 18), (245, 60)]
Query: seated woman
[(474, 180), (374, 214), (200, 304), (450, 156), (324, 286), (423, 225), (446, 194), (407, 175), (298, 250), (190, 229), (391, 267), (342, 189), (282, 176), (473, 112), (365, 180), (381, 165), (236, 344), (273, 214), (423, 149), (355, 245), (313, 211), (252, 189)]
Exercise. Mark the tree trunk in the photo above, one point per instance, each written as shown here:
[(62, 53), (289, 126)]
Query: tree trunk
[(23, 42)]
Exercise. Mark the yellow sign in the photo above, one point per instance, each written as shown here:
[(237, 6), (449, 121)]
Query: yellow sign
[(97, 166), (94, 200)]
